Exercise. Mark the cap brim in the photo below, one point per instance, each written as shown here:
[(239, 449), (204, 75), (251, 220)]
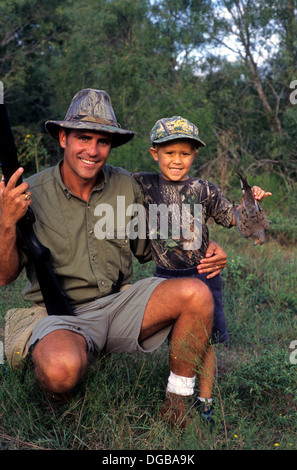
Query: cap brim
[(119, 136), (179, 136)]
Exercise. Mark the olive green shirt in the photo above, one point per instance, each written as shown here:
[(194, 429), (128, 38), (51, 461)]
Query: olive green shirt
[(87, 267)]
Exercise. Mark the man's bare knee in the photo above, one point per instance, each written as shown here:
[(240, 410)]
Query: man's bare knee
[(60, 376), (186, 298), (196, 293), (60, 361)]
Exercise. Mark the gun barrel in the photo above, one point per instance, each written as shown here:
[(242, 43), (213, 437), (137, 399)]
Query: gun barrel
[(8, 151)]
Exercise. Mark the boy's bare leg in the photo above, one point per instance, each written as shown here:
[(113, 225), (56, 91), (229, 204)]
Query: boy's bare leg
[(206, 374)]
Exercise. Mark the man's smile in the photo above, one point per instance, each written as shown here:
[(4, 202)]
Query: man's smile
[(88, 162)]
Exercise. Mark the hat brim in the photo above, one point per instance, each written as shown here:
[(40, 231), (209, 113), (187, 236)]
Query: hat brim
[(199, 142), (119, 136)]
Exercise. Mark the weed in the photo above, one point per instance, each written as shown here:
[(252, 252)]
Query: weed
[(117, 404)]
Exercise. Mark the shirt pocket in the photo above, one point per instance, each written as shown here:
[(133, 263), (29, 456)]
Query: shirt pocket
[(57, 241), (118, 256)]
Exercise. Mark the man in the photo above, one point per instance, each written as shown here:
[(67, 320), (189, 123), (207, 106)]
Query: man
[(67, 200)]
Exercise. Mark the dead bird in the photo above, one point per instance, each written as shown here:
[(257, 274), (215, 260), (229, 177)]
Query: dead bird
[(250, 218)]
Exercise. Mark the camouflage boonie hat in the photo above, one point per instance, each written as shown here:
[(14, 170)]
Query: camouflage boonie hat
[(91, 110), (173, 128)]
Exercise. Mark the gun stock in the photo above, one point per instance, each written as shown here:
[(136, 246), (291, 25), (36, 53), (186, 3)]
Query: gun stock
[(54, 297)]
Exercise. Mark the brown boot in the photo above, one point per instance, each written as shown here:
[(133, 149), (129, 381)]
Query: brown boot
[(176, 409)]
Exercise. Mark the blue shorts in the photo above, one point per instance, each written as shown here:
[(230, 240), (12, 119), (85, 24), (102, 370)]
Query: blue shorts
[(219, 330)]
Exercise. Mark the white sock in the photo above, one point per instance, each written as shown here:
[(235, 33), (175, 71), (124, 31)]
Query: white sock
[(180, 385), (205, 400)]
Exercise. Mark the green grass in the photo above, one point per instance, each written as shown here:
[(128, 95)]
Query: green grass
[(117, 404)]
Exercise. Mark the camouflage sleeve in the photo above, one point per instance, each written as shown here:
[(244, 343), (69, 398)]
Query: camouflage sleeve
[(219, 208), (136, 176), (141, 246)]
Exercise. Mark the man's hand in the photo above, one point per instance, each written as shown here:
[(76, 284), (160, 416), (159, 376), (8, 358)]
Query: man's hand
[(14, 203), (214, 262), (14, 200)]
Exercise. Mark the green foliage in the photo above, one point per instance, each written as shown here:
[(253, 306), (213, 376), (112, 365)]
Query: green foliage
[(33, 154), (155, 60), (117, 405), (263, 378), (28, 30)]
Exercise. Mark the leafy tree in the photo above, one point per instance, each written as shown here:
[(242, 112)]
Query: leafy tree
[(29, 32), (131, 58), (261, 36), (158, 59)]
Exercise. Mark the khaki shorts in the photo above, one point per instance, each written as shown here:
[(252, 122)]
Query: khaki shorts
[(111, 323), (19, 324)]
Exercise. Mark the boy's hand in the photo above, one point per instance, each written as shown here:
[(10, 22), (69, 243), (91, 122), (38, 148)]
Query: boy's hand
[(259, 193), (214, 262)]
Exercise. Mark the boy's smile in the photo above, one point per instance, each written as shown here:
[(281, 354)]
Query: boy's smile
[(175, 159)]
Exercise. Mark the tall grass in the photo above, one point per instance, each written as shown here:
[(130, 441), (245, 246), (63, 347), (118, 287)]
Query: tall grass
[(117, 405)]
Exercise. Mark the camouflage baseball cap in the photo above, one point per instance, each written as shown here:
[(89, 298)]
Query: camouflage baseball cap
[(91, 110), (173, 128)]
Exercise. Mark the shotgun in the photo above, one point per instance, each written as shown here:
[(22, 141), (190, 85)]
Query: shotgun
[(54, 297)]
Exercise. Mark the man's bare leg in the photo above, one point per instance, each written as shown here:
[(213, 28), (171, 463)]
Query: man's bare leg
[(60, 360), (187, 304), (60, 357)]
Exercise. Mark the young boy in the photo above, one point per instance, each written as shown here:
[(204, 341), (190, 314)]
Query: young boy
[(175, 142)]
